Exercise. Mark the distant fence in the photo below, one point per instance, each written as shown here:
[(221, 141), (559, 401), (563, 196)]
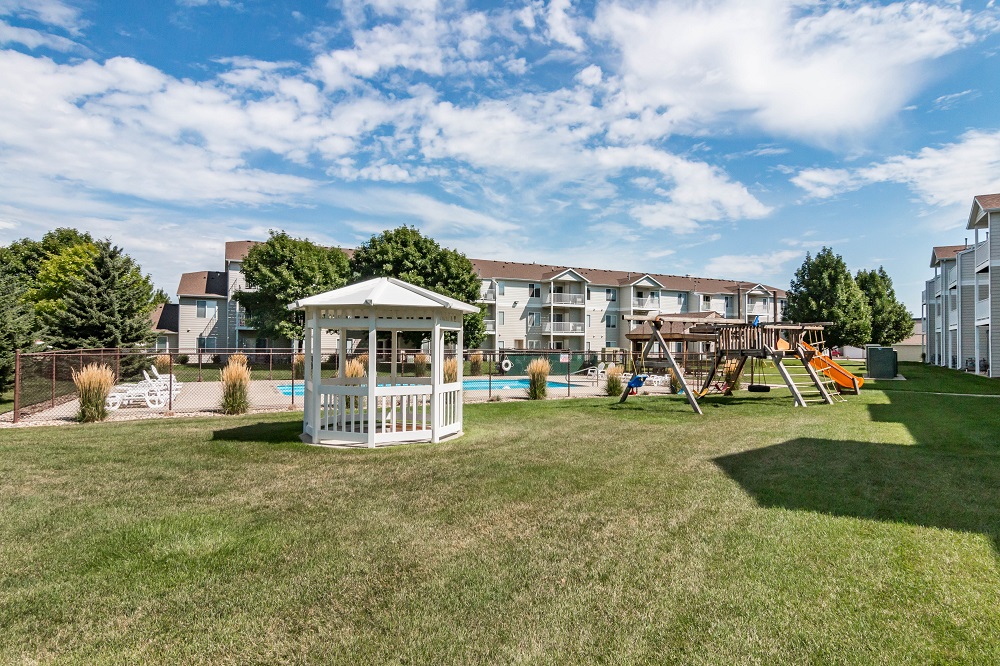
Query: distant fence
[(152, 381)]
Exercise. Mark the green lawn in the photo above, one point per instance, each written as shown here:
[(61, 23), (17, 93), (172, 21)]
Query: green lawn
[(6, 401), (569, 531)]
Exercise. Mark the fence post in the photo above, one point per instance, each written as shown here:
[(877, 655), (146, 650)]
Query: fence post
[(17, 385), (199, 364), (53, 356), (270, 364), (170, 383), (489, 373)]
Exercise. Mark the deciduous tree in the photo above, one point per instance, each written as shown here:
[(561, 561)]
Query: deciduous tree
[(282, 270), (823, 290), (406, 254), (17, 325), (891, 321)]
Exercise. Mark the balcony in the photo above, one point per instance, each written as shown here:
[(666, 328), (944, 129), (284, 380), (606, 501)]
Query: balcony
[(646, 303), (243, 319), (565, 299), (983, 309), (563, 327), (491, 325), (489, 295), (983, 256)]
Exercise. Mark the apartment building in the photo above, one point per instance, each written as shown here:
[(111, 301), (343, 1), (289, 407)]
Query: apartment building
[(541, 306), (528, 306), (958, 307)]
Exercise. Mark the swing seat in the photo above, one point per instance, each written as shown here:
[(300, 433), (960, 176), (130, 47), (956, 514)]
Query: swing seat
[(759, 388)]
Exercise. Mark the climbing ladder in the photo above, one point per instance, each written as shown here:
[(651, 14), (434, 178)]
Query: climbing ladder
[(799, 376)]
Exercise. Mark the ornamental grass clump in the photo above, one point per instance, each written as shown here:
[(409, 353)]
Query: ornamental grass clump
[(420, 362), (613, 382), (162, 363), (241, 359), (93, 384), (235, 388), (355, 368), (476, 363), (298, 366), (450, 368), (538, 376)]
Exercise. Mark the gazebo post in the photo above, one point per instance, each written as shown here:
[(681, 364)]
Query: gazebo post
[(316, 366), (460, 353), (392, 344), (372, 377), (437, 374), (306, 395)]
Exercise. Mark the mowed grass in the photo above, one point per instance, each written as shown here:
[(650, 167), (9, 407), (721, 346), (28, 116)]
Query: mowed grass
[(7, 401), (569, 531)]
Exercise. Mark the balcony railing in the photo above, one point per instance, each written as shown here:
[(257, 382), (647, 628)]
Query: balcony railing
[(983, 309), (982, 255), (646, 303), (534, 328), (491, 325), (243, 319), (563, 327), (565, 299), (488, 295)]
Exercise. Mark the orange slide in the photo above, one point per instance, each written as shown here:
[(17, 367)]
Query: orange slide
[(829, 368)]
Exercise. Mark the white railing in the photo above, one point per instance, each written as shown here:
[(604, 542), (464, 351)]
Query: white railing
[(983, 309), (982, 254), (534, 328), (491, 325), (646, 303), (488, 295), (242, 319), (565, 299), (563, 327), (758, 308)]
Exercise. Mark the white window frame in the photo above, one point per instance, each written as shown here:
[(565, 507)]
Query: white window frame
[(500, 318), (202, 306), (610, 295), (500, 288), (610, 321)]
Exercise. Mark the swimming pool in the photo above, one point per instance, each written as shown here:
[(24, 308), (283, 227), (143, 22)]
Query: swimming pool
[(499, 384)]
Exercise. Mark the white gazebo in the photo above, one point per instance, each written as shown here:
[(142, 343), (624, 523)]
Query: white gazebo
[(385, 409)]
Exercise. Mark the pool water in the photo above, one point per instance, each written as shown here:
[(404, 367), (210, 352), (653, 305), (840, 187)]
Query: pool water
[(499, 384)]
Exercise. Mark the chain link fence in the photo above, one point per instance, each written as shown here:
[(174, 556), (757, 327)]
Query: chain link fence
[(152, 382)]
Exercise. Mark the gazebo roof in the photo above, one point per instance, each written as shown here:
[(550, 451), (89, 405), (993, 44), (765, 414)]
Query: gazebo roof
[(386, 293)]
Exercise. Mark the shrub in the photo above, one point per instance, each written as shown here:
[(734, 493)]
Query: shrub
[(675, 382), (298, 366), (732, 379), (613, 384), (420, 362), (235, 388), (450, 368), (476, 363), (538, 376), (93, 383), (182, 359), (162, 363)]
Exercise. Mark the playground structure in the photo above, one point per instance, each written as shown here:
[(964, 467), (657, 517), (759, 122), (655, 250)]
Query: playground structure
[(811, 376)]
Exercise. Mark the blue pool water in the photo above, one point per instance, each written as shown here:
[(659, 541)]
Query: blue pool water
[(499, 384)]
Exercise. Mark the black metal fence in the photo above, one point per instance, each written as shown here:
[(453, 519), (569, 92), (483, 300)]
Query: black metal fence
[(151, 382)]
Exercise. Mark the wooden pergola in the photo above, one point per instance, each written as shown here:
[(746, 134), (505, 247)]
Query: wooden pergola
[(377, 410)]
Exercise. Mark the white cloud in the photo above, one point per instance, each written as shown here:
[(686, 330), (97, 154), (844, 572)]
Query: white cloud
[(947, 176), (50, 12), (811, 70), (34, 39), (560, 25), (948, 102), (752, 266)]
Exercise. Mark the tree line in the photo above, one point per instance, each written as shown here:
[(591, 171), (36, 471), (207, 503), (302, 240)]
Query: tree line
[(861, 309)]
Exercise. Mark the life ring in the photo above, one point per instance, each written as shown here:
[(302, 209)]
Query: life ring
[(506, 365)]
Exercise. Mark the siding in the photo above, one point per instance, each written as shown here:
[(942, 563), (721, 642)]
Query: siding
[(191, 327), (967, 307)]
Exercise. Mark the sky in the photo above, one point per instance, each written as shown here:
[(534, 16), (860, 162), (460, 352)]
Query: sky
[(719, 138)]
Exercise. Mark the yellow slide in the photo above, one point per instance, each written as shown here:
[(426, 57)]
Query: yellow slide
[(829, 368)]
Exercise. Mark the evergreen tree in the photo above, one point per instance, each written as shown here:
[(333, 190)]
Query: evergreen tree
[(404, 253), (891, 321), (283, 270), (824, 291), (17, 324), (108, 305)]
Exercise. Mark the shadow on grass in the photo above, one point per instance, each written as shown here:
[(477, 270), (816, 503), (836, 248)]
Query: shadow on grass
[(949, 479), (268, 432)]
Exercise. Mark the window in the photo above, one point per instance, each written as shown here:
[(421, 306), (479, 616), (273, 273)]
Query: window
[(680, 298), (206, 343), (611, 321), (161, 342), (765, 301), (500, 344), (500, 288), (610, 295), (534, 290), (534, 344), (611, 343), (728, 301), (205, 309), (588, 346), (534, 318), (500, 318), (707, 299), (588, 321), (588, 293)]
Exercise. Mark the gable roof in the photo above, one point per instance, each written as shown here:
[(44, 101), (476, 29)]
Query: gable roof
[(203, 283), (945, 252), (237, 250), (387, 293), (166, 318)]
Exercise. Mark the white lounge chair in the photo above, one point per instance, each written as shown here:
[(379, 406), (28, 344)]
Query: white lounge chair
[(154, 393)]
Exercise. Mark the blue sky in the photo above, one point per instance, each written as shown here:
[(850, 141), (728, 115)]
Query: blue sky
[(718, 138)]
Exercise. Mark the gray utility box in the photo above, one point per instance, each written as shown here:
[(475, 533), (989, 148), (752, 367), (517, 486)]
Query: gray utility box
[(882, 362)]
